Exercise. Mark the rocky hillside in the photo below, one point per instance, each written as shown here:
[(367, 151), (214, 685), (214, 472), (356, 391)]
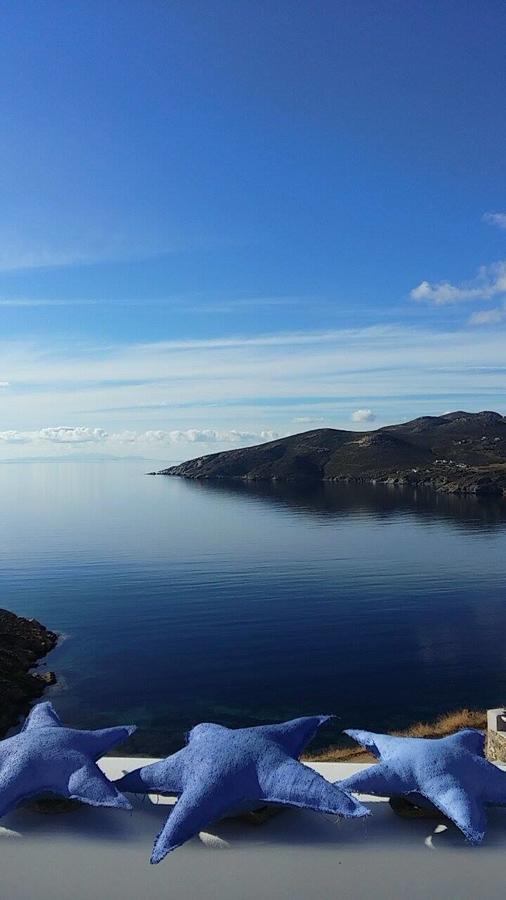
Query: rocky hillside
[(458, 452), (22, 643)]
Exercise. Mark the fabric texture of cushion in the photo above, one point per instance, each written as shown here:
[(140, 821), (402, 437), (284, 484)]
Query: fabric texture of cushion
[(223, 771), (452, 773), (47, 758)]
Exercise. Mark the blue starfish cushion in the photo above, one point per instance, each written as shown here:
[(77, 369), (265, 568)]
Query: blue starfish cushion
[(45, 757), (223, 771), (452, 773)]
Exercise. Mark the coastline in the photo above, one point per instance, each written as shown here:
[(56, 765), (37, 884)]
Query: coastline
[(474, 483), (23, 642)]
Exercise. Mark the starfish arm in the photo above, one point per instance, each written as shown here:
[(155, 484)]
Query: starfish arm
[(464, 810), (295, 784), (468, 739), (378, 744), (164, 777), (494, 780), (10, 794), (90, 785), (43, 715), (294, 735), (195, 810), (380, 780), (99, 742)]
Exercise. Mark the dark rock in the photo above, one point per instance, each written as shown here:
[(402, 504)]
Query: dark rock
[(22, 643)]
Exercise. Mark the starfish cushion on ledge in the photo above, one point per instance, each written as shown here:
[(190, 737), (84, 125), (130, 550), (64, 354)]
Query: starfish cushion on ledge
[(47, 758), (452, 773), (223, 771)]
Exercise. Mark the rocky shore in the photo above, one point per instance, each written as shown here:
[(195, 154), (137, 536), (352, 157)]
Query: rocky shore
[(445, 479), (22, 643)]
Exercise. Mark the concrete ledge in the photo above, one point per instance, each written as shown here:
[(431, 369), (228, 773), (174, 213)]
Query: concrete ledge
[(91, 854)]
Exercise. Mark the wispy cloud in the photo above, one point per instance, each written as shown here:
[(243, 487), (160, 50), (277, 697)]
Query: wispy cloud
[(283, 339), (183, 303), (40, 259), (34, 301), (488, 316), (489, 282), (238, 388), (242, 304), (495, 218), (115, 244), (61, 241)]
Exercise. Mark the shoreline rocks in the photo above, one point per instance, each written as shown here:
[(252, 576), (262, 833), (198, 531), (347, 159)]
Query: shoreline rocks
[(23, 642)]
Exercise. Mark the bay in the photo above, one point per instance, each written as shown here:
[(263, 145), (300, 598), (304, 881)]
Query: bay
[(182, 601)]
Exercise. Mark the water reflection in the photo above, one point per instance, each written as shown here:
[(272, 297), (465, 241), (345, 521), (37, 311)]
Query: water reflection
[(332, 500)]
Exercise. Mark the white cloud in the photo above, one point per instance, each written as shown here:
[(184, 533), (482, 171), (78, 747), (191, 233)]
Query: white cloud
[(488, 317), (193, 436), (4, 384), (210, 436), (61, 434), (495, 218), (64, 434), (363, 415), (69, 435), (14, 437), (489, 282)]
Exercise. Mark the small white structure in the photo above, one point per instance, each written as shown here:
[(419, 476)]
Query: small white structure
[(496, 734), (102, 854), (496, 719)]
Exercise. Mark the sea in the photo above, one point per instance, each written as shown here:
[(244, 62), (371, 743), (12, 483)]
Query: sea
[(180, 601)]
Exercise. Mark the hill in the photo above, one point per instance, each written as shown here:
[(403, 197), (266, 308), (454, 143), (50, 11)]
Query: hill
[(458, 452)]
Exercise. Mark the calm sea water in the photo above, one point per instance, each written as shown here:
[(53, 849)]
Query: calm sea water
[(181, 602)]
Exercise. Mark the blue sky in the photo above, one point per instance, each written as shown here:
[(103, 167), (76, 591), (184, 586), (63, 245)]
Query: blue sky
[(221, 221)]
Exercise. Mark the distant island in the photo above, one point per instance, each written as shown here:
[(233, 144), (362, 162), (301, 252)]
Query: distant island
[(459, 452)]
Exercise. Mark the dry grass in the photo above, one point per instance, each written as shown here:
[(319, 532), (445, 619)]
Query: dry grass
[(446, 724)]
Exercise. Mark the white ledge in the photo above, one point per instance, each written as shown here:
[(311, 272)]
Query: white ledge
[(90, 854)]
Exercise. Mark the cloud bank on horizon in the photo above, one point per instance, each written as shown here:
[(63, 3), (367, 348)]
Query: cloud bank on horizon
[(323, 246), (68, 436), (220, 393)]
